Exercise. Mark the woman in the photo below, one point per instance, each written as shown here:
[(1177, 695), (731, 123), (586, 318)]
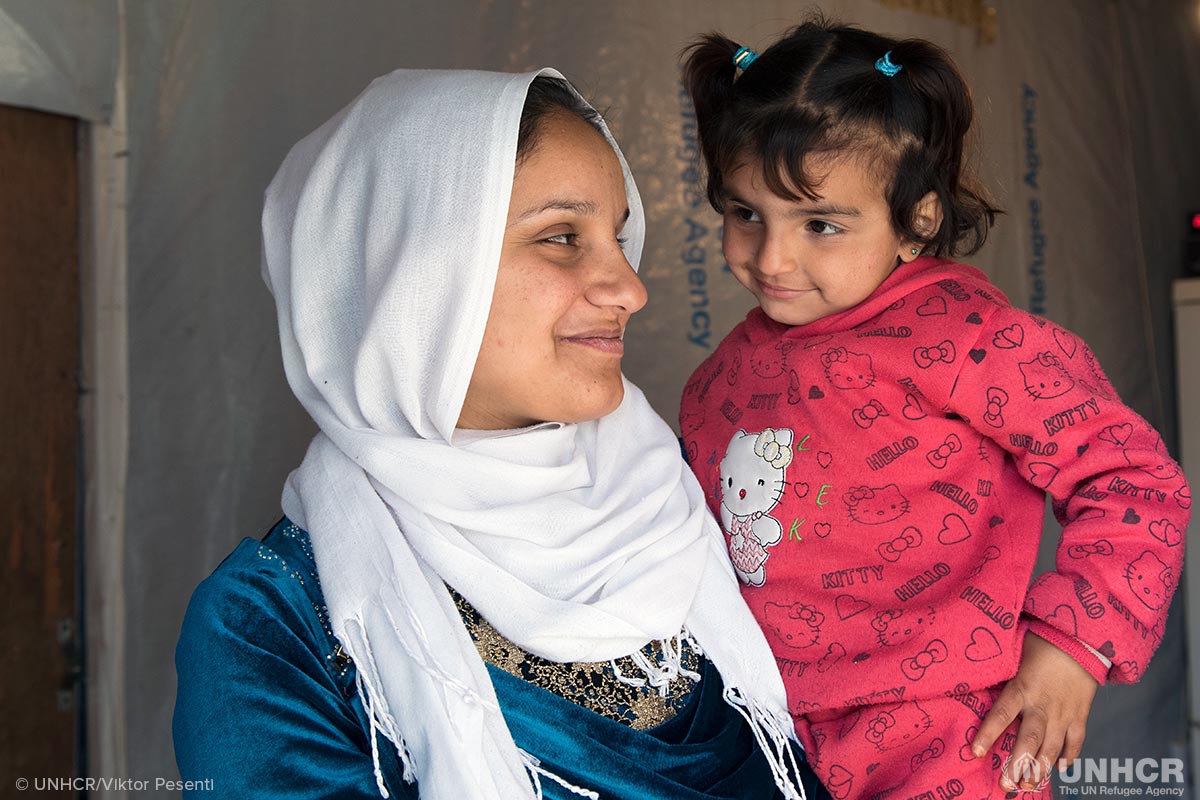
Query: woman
[(520, 590)]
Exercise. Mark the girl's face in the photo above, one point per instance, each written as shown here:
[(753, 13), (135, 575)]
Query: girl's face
[(806, 260), (552, 347)]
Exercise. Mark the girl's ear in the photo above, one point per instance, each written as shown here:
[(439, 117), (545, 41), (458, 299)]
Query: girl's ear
[(927, 219)]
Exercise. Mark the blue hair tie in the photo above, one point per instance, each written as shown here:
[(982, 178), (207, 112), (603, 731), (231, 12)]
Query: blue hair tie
[(886, 66), (744, 57)]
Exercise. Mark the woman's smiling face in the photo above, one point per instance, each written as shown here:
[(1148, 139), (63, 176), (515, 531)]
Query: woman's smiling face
[(564, 291)]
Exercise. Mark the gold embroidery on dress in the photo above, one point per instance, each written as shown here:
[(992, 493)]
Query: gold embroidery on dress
[(591, 685)]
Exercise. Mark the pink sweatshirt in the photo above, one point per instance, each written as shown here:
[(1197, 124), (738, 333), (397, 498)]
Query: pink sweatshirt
[(880, 475)]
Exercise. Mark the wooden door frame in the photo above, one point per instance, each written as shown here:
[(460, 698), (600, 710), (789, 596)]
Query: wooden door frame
[(105, 417), (39, 418)]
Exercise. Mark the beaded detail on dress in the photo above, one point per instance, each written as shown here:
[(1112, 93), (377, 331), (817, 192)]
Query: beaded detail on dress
[(591, 685), (339, 663)]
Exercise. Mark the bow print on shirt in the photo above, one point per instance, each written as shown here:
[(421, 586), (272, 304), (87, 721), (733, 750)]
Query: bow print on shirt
[(935, 750), (865, 417), (908, 539), (997, 399), (926, 357), (940, 455), (934, 653), (1101, 548)]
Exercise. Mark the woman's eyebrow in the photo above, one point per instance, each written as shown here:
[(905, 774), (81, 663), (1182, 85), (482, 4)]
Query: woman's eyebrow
[(577, 206)]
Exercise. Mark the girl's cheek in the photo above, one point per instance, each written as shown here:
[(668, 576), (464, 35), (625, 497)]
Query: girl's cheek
[(735, 246)]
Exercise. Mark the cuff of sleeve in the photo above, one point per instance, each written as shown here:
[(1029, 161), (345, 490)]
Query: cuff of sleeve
[(1090, 661)]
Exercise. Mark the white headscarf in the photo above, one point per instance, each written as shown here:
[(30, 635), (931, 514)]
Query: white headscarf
[(582, 542)]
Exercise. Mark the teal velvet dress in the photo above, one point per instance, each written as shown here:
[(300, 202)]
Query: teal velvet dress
[(267, 706)]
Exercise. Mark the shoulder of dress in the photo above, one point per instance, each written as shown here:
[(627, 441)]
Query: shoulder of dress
[(283, 559), (269, 582)]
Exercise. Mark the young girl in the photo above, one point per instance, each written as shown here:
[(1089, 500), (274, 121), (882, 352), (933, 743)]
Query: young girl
[(879, 435)]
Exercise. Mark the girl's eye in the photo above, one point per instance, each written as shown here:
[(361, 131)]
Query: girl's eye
[(744, 214), (822, 228)]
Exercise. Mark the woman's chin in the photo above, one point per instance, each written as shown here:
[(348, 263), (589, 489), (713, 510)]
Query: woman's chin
[(598, 401)]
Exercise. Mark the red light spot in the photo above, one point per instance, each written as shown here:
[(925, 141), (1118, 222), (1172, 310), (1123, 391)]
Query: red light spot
[(1196, 222)]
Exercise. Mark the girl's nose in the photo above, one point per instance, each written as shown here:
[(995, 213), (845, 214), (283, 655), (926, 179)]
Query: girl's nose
[(775, 255)]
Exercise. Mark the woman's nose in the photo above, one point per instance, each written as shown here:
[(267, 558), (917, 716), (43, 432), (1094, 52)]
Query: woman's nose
[(617, 284)]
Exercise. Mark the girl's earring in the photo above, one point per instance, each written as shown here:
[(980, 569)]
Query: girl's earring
[(915, 251)]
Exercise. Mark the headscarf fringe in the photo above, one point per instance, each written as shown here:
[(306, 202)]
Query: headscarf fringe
[(773, 740), (358, 648), (660, 675), (534, 766), (686, 636)]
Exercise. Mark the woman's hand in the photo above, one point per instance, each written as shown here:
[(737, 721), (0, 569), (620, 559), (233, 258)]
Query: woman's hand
[(1052, 694)]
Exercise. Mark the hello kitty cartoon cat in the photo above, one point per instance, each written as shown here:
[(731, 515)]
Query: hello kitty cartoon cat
[(1150, 580), (897, 725), (847, 369), (872, 505), (752, 482), (1045, 377)]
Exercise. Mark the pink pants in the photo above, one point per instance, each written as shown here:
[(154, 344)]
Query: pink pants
[(912, 750)]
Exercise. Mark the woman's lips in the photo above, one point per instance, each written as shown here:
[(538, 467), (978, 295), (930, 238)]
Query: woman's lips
[(605, 343), (780, 292)]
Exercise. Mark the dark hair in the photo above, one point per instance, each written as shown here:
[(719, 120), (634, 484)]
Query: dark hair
[(817, 91), (545, 95)]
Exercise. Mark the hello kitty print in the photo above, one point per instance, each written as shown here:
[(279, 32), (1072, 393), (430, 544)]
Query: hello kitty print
[(753, 478), (848, 370), (875, 506), (881, 475)]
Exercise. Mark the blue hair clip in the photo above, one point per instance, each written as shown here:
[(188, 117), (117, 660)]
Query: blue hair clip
[(744, 57), (886, 66)]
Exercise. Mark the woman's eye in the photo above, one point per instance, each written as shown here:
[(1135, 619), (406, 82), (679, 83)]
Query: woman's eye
[(562, 238), (822, 228)]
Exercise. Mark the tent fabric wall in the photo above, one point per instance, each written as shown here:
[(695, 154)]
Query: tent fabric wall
[(59, 56), (1076, 145)]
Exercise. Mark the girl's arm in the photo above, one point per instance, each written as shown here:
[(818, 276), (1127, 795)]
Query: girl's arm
[(1037, 391), (1124, 504)]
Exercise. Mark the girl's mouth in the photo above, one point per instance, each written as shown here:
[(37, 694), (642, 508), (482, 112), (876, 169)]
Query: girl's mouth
[(780, 292)]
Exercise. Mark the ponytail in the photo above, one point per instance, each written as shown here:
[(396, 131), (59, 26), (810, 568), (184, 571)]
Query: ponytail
[(708, 75), (937, 161)]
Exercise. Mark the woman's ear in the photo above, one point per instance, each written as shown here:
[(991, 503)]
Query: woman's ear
[(927, 220)]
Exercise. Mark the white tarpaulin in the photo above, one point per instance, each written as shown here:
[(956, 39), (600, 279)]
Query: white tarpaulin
[(59, 55)]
